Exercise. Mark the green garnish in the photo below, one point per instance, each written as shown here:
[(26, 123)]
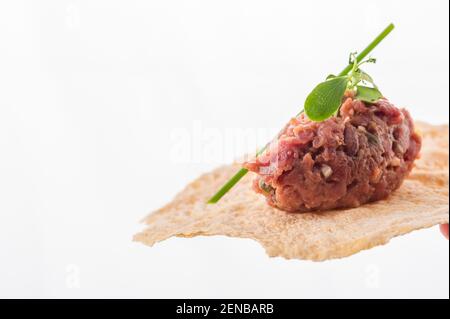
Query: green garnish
[(229, 185), (326, 98), (352, 75), (264, 187), (368, 94)]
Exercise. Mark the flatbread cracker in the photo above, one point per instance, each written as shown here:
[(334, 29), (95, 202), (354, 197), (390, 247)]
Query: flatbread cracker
[(421, 202)]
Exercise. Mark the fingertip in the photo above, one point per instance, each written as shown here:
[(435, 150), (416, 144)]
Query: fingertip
[(444, 230)]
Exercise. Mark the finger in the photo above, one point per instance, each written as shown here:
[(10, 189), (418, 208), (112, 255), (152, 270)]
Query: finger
[(444, 230)]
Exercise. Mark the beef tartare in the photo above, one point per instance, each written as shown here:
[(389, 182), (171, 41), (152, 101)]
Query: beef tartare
[(361, 155)]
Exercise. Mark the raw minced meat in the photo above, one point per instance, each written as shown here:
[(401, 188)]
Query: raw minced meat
[(360, 156)]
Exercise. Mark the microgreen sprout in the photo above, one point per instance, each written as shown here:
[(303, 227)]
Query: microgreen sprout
[(324, 101), (326, 98)]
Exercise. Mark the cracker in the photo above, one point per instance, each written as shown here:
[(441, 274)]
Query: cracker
[(421, 202)]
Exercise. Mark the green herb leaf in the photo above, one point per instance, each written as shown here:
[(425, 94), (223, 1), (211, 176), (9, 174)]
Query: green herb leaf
[(366, 77), (368, 94), (326, 98)]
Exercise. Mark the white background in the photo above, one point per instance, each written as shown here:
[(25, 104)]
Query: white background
[(92, 91)]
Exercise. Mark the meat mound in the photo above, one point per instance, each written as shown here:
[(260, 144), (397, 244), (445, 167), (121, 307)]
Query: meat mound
[(360, 156)]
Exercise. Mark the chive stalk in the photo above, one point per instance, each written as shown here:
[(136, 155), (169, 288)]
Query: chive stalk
[(369, 48)]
